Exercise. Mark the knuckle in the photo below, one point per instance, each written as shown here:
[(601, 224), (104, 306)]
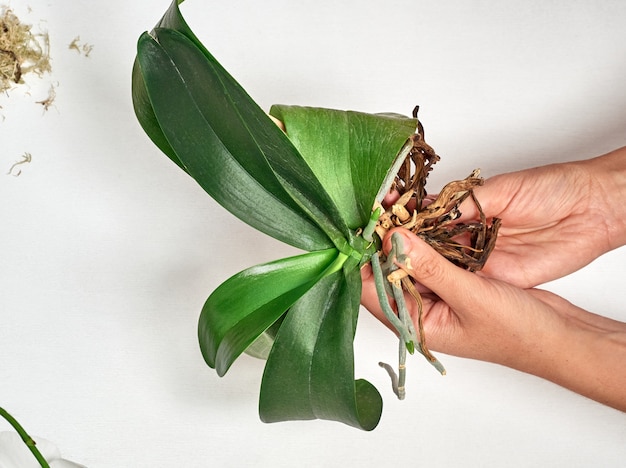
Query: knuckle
[(428, 269)]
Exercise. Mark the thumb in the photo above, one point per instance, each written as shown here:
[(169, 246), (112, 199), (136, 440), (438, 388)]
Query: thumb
[(457, 287)]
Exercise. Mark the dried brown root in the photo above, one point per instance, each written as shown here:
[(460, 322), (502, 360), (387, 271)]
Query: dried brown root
[(466, 244)]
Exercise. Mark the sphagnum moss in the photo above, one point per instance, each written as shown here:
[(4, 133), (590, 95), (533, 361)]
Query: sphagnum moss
[(21, 50)]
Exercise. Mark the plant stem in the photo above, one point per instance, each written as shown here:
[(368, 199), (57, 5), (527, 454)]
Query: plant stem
[(368, 231), (336, 265), (30, 443)]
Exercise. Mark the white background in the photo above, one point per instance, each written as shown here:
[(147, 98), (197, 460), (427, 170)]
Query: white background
[(108, 251)]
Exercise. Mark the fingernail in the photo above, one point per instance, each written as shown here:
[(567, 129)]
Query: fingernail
[(366, 272), (406, 239)]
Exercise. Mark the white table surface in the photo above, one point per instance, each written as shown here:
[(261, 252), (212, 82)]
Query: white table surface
[(108, 251)]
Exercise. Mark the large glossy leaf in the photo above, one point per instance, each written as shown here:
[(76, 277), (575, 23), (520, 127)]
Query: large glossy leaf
[(147, 119), (286, 162), (141, 102), (214, 145), (349, 152), (209, 121), (247, 304), (310, 370)]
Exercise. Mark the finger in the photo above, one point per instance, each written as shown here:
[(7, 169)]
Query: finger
[(368, 291), (492, 196), (455, 286), (369, 298), (391, 198)]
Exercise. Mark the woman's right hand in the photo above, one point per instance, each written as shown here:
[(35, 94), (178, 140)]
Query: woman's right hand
[(530, 330)]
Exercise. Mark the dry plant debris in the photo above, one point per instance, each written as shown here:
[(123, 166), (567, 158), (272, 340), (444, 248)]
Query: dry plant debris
[(49, 101), (21, 50), (84, 49), (15, 170), (466, 244)]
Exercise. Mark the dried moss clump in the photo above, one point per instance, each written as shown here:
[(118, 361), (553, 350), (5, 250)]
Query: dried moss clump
[(21, 50)]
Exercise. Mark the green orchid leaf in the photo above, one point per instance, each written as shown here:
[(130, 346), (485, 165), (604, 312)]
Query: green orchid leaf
[(209, 122), (349, 152), (141, 102), (247, 304), (310, 370), (284, 159), (206, 136), (147, 119), (261, 346)]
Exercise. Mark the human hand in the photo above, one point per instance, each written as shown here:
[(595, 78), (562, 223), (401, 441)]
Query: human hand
[(555, 219), (534, 331), (465, 314)]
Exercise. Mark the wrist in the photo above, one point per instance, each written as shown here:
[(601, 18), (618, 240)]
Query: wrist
[(608, 190), (580, 351)]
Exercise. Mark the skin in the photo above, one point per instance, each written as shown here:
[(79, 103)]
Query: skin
[(555, 220)]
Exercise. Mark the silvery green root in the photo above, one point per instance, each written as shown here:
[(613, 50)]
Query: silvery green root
[(389, 283)]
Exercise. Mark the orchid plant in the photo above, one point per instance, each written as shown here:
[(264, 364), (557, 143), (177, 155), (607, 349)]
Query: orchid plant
[(315, 181)]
